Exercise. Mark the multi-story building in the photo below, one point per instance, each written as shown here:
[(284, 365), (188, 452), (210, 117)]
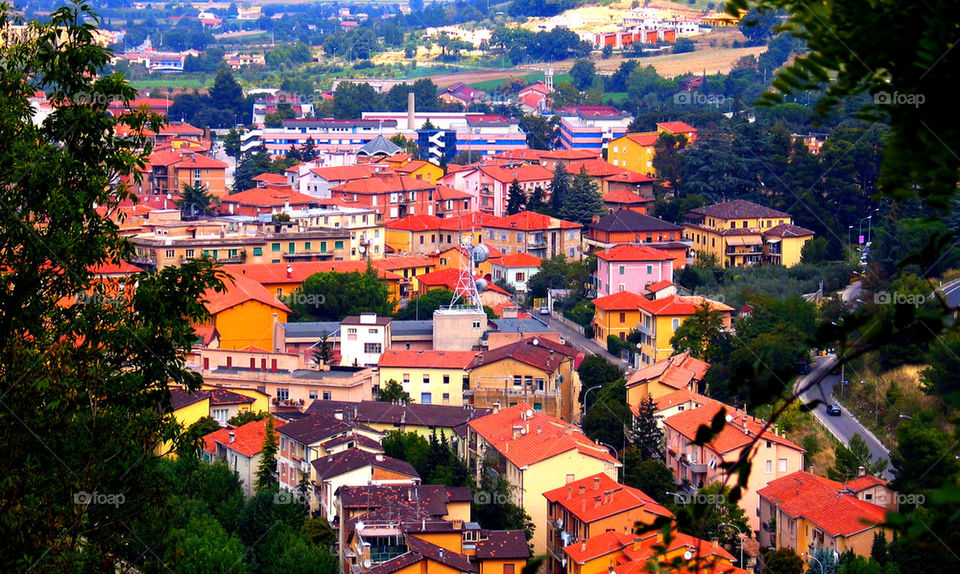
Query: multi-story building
[(391, 195), (591, 127), (629, 226), (515, 270), (740, 233), (363, 338), (534, 233), (166, 172), (631, 268), (241, 448), (678, 372), (356, 467), (426, 234), (694, 466), (616, 314), (536, 453), (366, 233), (609, 177), (285, 278), (805, 512), (489, 185), (636, 151), (326, 135), (591, 506), (428, 376), (660, 319), (625, 553), (535, 371), (425, 420), (243, 314), (268, 200)]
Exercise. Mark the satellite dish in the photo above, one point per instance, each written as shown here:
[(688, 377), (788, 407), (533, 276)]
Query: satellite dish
[(363, 249), (360, 525), (529, 413), (479, 253), (536, 341), (687, 555), (481, 284), (729, 418), (367, 563)]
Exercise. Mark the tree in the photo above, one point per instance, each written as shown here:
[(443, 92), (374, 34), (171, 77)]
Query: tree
[(288, 551), (647, 434), (231, 143), (608, 418), (702, 334), (85, 386), (240, 419), (393, 392), (559, 186), (704, 516), (250, 167), (331, 296), (650, 476), (849, 460), (309, 151), (192, 440), (204, 546), (878, 549), (408, 446), (814, 251), (923, 458), (196, 200), (517, 199), (582, 73), (422, 307), (782, 561), (267, 471), (596, 370), (226, 94), (583, 202), (541, 131), (939, 378), (538, 200)]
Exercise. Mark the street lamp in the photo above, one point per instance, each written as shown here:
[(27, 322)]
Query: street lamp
[(903, 416), (740, 532), (583, 407), (814, 558), (860, 230)]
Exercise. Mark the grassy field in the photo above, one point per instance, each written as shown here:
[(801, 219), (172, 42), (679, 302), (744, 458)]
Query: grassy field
[(530, 77), (615, 97), (171, 82)]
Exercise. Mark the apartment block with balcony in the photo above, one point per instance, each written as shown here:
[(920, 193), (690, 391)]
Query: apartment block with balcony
[(166, 172), (535, 234)]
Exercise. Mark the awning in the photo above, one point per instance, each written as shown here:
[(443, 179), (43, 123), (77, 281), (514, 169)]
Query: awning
[(744, 240), (773, 240)]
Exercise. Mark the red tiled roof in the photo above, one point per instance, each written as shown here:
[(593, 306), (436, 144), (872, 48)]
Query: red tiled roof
[(645, 139), (445, 192), (625, 196), (820, 500), (240, 289), (680, 396), (788, 230), (248, 439), (660, 285), (221, 396), (269, 197), (427, 359), (619, 301), (544, 437), (599, 496), (632, 252), (410, 166), (864, 482), (518, 260), (345, 172), (178, 128), (676, 371), (676, 127), (273, 273), (449, 278), (383, 183), (522, 173), (184, 160), (678, 305), (114, 268), (732, 436), (524, 154), (530, 221), (275, 178), (738, 209), (419, 222), (467, 221), (597, 546), (403, 262)]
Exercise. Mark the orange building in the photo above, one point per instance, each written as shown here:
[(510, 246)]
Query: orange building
[(244, 314), (166, 172)]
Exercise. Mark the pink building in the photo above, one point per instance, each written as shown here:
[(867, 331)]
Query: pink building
[(489, 185), (631, 268)]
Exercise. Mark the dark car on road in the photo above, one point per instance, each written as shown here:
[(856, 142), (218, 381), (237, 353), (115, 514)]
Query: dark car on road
[(833, 410)]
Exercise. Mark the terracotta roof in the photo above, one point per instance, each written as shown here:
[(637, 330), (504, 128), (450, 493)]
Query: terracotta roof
[(597, 546), (524, 154), (545, 355), (864, 482), (383, 183), (677, 371), (419, 222), (708, 558), (445, 192), (660, 285), (679, 305), (315, 428), (360, 440), (501, 544), (820, 501), (180, 128), (449, 278), (522, 173), (676, 127), (240, 289), (375, 412), (625, 196), (599, 496), (122, 268), (210, 441), (448, 558), (630, 221), (619, 301), (518, 260), (738, 209), (345, 172), (221, 396), (180, 398), (680, 396), (598, 168), (248, 439), (274, 273), (569, 154), (411, 166), (530, 221), (788, 230), (732, 436), (354, 458), (632, 252), (647, 139), (274, 178), (427, 359), (543, 437), (537, 86), (467, 221), (273, 196), (429, 499)]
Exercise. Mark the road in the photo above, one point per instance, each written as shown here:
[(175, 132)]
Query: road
[(845, 426), (586, 345), (851, 292)]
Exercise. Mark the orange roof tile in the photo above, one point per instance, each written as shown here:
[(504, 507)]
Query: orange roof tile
[(345, 172), (418, 222), (597, 546), (298, 271), (677, 127), (732, 436), (269, 197), (445, 192), (599, 496), (522, 173), (275, 178), (644, 139), (383, 183), (403, 262), (248, 439), (619, 301), (518, 260), (427, 359), (239, 290), (678, 305), (530, 221), (449, 278), (543, 436), (114, 268), (659, 285), (632, 252), (625, 196)]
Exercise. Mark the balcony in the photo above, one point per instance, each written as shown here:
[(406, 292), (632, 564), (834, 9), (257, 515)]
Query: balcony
[(645, 330), (143, 260), (485, 190)]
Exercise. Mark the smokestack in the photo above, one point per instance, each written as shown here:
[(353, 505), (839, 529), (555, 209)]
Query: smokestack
[(861, 471), (411, 110), (233, 437)]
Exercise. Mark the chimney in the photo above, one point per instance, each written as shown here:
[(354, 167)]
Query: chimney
[(411, 111), (596, 482), (810, 469), (441, 550), (338, 414), (289, 271), (581, 489), (715, 542), (233, 437), (636, 543), (569, 492), (379, 458), (861, 471), (659, 537), (583, 546)]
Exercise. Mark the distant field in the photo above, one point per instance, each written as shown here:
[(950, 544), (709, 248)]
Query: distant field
[(614, 97), (170, 82), (530, 77)]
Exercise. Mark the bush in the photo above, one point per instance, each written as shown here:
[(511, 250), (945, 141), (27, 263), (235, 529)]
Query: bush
[(588, 331), (614, 344)]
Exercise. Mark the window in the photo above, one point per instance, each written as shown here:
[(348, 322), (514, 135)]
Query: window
[(170, 254), (517, 381), (623, 317), (503, 235), (327, 396), (306, 246), (189, 253), (283, 394), (258, 250), (649, 269), (446, 379), (338, 245), (426, 379), (676, 324), (573, 252), (509, 569), (782, 465), (519, 277), (421, 240), (373, 331), (274, 247), (426, 398), (623, 269), (220, 415), (476, 324), (519, 236), (292, 247), (769, 466), (769, 444), (372, 348), (313, 394), (406, 378)]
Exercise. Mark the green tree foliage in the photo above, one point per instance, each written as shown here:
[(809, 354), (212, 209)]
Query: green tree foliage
[(249, 167), (848, 460), (267, 471), (231, 143), (517, 199), (597, 370), (196, 200), (609, 416), (758, 26), (559, 186), (408, 446), (393, 392), (287, 551), (878, 549), (538, 200), (647, 436), (650, 476), (558, 273), (814, 251), (331, 296), (204, 546), (921, 460), (422, 307), (85, 386), (240, 419), (939, 378), (582, 72), (541, 131), (782, 561), (444, 466), (702, 516), (275, 119), (667, 158), (583, 202), (319, 532), (703, 334)]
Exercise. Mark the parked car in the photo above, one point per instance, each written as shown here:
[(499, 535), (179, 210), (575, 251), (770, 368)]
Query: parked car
[(544, 310), (834, 410)]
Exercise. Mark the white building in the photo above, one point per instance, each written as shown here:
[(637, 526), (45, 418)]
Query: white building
[(364, 338)]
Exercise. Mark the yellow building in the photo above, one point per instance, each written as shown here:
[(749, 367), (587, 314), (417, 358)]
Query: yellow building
[(672, 374), (536, 453), (617, 314), (792, 513), (427, 234), (188, 408), (408, 268), (660, 319), (740, 233), (428, 376), (419, 169), (245, 314), (252, 400), (636, 151)]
